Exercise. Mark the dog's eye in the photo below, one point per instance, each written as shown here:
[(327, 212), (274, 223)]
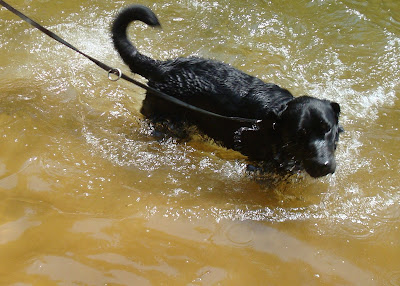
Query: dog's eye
[(303, 131), (325, 127)]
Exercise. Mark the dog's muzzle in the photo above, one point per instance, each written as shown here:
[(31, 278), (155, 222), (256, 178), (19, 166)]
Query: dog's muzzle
[(319, 168)]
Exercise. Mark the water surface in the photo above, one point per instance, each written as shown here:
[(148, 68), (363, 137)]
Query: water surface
[(89, 197)]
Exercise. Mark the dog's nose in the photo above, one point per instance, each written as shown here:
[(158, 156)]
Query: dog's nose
[(328, 167), (320, 168)]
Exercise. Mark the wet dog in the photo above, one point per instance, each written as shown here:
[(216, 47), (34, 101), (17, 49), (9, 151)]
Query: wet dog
[(292, 131)]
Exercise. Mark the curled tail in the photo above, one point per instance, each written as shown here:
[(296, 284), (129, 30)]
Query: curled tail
[(137, 62)]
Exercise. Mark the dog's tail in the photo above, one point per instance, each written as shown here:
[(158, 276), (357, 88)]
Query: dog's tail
[(137, 62)]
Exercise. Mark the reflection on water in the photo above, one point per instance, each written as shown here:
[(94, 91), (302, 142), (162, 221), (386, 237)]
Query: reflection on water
[(89, 197)]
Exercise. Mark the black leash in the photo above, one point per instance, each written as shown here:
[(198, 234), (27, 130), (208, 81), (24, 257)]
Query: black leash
[(119, 74)]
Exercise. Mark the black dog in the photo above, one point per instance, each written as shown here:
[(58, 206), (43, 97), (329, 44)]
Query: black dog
[(300, 131)]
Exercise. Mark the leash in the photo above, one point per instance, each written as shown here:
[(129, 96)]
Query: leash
[(119, 74)]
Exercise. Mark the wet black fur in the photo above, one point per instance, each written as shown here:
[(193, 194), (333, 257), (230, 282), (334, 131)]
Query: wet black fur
[(300, 131)]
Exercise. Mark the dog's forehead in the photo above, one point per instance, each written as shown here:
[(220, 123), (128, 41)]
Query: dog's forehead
[(307, 103), (321, 110), (315, 112)]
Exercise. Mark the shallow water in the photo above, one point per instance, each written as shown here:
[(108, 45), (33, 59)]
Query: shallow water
[(88, 197)]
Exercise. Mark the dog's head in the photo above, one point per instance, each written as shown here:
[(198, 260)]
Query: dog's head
[(310, 130)]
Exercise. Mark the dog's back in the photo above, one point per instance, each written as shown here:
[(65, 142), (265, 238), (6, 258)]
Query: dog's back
[(216, 87)]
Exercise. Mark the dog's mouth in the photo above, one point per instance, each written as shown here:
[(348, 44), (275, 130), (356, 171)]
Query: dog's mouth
[(316, 167)]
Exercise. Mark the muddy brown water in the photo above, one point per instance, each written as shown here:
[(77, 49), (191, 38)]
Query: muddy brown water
[(88, 197)]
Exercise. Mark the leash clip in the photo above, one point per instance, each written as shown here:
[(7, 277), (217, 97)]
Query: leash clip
[(114, 71)]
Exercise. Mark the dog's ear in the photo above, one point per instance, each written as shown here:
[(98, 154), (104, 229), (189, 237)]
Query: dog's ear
[(336, 107)]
